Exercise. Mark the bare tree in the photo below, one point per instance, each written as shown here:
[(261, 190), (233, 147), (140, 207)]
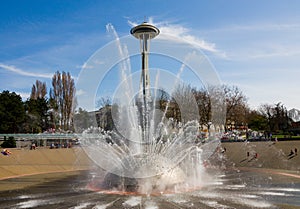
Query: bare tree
[(204, 105), (276, 116), (162, 97), (236, 102), (38, 90), (104, 101), (218, 104), (267, 112), (62, 97), (185, 104)]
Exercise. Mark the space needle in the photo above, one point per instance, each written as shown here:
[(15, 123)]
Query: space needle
[(144, 32)]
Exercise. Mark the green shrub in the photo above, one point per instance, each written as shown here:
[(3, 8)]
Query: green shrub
[(9, 143)]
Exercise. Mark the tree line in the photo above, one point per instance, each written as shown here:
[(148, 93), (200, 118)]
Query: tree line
[(271, 118), (39, 113)]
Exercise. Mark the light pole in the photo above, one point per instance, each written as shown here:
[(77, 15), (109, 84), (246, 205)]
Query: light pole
[(144, 32)]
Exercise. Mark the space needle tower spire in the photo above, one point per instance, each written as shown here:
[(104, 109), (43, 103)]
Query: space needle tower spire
[(144, 32)]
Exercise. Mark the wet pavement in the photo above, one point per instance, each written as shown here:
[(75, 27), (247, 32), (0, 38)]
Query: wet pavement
[(223, 189)]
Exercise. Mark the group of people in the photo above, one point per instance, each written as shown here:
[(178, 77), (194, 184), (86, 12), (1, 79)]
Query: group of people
[(57, 145)]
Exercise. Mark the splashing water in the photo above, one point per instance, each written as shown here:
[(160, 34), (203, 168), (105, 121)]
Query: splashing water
[(172, 158)]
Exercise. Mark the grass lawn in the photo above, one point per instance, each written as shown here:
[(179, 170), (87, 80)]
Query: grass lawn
[(280, 136)]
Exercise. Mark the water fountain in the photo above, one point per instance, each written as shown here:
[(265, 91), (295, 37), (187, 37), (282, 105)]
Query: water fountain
[(148, 157)]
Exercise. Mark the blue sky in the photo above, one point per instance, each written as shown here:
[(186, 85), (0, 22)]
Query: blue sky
[(254, 45)]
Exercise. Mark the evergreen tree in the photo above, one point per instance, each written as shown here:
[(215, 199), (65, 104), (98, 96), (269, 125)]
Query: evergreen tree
[(12, 113), (37, 115)]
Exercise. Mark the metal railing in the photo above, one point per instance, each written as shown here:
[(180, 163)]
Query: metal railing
[(39, 136)]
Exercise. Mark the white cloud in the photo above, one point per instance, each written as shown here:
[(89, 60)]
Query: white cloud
[(276, 51), (182, 34), (80, 92), (85, 66), (16, 70), (24, 95), (178, 33), (99, 62)]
